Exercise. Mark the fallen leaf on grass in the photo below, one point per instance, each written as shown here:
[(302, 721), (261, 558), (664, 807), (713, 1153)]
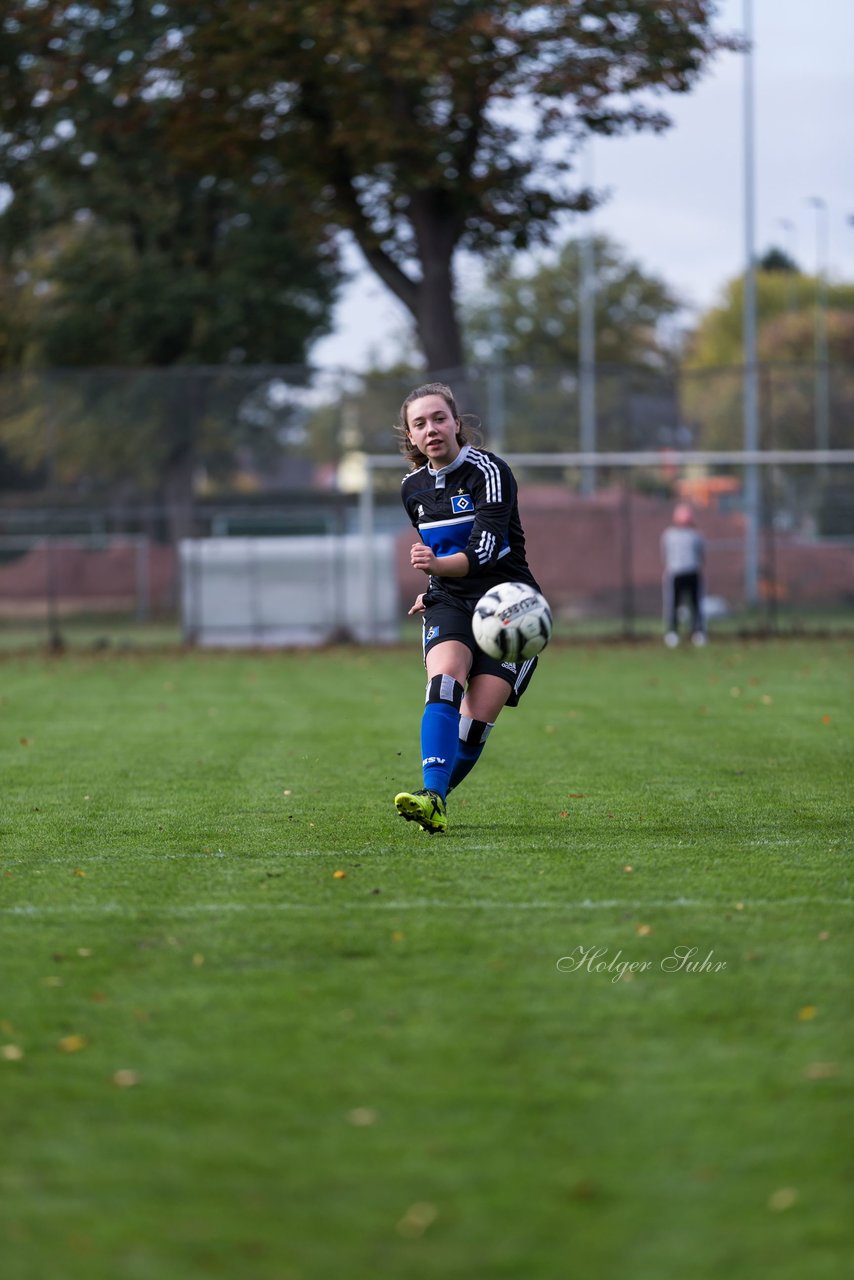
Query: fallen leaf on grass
[(585, 1190), (782, 1199), (821, 1070), (362, 1117), (11, 1052), (125, 1079), (339, 875), (643, 930), (79, 872), (417, 1219), (807, 1013), (826, 719), (72, 1044)]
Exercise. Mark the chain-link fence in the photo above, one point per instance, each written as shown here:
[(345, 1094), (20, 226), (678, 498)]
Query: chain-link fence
[(103, 474)]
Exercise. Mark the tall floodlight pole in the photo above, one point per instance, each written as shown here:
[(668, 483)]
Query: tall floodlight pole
[(495, 381), (751, 371), (822, 372), (587, 338)]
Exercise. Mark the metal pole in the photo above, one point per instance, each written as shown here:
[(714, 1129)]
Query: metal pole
[(366, 531), (55, 639), (769, 506), (792, 292), (751, 380), (587, 339), (495, 371), (143, 578), (495, 403), (626, 565), (822, 381)]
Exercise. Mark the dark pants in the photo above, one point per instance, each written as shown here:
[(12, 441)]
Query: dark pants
[(688, 587)]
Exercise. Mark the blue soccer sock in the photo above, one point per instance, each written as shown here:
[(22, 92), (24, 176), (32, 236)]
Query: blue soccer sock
[(440, 728), (473, 735)]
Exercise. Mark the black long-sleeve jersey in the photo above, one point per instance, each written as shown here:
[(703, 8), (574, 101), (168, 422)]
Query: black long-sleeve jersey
[(470, 505)]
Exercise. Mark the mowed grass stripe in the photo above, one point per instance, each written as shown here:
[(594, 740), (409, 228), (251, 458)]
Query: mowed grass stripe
[(427, 904)]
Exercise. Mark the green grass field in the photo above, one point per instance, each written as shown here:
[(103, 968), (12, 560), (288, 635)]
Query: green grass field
[(601, 1029)]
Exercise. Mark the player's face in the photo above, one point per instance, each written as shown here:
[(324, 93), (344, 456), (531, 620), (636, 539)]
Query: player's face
[(433, 429)]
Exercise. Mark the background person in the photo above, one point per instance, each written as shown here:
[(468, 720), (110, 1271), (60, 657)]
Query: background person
[(683, 556), (463, 502)]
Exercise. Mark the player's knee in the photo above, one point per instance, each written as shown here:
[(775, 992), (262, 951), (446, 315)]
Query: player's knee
[(445, 689)]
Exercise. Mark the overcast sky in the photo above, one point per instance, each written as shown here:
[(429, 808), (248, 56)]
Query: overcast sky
[(676, 202)]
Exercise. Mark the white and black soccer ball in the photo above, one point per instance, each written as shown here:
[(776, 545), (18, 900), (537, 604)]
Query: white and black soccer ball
[(512, 622)]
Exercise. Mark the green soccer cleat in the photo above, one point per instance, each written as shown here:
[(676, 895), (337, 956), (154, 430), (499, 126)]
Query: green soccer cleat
[(427, 808)]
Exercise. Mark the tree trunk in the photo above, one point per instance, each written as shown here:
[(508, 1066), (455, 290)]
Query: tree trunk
[(430, 300), (437, 321), (436, 235)]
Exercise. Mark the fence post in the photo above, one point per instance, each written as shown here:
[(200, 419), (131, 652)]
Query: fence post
[(366, 529), (626, 567), (143, 578), (55, 639)]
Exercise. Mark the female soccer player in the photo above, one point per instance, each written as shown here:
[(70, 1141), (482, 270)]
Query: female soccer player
[(463, 502)]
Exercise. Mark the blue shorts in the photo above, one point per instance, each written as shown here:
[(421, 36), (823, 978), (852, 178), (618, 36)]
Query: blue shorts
[(446, 621)]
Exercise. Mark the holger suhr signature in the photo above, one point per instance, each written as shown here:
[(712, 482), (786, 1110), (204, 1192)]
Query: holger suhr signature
[(682, 959)]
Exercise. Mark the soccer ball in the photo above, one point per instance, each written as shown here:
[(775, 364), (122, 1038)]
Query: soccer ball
[(512, 622)]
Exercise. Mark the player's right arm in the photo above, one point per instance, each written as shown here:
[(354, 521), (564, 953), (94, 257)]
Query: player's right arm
[(456, 565)]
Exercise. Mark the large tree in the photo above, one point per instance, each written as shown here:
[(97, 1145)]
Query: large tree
[(421, 127), (787, 319), (154, 261), (119, 253), (528, 314)]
